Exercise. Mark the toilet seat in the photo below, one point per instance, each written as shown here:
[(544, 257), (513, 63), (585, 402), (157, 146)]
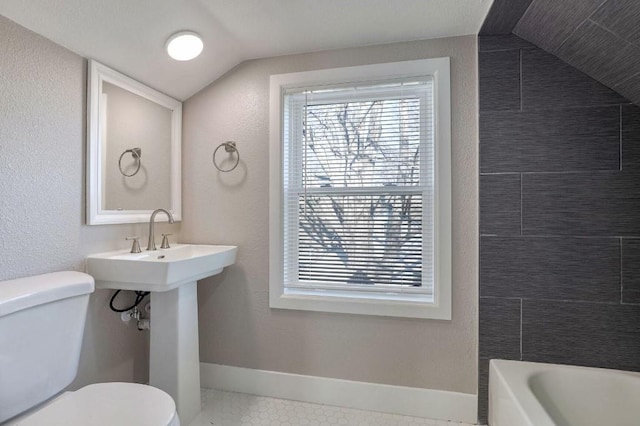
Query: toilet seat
[(108, 404)]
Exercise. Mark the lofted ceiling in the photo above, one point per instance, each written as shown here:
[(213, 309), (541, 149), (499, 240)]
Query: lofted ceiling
[(129, 35), (599, 37)]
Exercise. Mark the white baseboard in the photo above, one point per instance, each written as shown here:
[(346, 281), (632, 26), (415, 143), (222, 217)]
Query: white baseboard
[(418, 402)]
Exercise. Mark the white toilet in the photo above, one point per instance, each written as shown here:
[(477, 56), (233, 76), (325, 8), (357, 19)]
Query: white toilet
[(41, 326)]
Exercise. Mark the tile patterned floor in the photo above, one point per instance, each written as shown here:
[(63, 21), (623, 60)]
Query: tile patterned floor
[(239, 409)]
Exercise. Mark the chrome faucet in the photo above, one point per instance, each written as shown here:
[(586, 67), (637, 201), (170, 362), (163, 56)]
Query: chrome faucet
[(151, 244)]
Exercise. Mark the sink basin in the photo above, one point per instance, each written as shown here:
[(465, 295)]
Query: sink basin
[(159, 270)]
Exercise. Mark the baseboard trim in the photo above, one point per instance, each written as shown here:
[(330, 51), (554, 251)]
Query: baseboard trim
[(407, 401)]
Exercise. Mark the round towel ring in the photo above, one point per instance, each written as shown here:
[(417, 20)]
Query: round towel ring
[(229, 146), (135, 153)]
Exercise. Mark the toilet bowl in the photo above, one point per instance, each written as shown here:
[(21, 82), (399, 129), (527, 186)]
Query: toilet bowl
[(104, 404), (41, 327)]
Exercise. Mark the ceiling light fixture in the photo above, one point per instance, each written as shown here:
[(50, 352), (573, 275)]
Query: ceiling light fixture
[(184, 46)]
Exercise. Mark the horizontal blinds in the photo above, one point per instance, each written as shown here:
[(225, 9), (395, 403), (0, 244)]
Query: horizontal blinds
[(358, 187)]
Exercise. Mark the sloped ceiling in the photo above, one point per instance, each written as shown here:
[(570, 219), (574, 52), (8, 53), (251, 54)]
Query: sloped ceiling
[(600, 38), (129, 35)]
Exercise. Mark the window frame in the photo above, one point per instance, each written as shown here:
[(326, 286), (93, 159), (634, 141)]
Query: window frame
[(346, 301)]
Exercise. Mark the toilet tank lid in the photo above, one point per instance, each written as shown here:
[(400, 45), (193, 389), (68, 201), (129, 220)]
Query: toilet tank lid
[(23, 293)]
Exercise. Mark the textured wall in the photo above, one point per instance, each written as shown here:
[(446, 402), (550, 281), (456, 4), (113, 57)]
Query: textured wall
[(237, 327), (42, 139), (559, 214)]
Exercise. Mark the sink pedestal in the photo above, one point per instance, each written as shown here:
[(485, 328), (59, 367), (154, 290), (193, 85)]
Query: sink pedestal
[(174, 358)]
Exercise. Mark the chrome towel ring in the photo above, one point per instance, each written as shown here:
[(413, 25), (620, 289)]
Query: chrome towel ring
[(136, 153), (230, 147)]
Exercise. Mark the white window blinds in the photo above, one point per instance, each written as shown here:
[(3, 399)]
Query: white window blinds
[(358, 179)]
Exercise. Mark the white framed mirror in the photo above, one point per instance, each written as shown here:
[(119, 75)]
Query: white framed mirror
[(133, 149)]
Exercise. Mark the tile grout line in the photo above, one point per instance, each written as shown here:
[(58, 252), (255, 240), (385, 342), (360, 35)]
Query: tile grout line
[(520, 76), (616, 35), (626, 80), (572, 301), (588, 18), (566, 172), (505, 49), (526, 11), (621, 139), (621, 280), (533, 109), (521, 315), (563, 236), (521, 206)]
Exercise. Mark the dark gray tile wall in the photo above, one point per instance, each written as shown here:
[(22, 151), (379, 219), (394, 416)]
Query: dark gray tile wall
[(551, 140), (500, 204), (559, 214), (554, 268), (595, 204), (501, 334), (621, 17), (631, 137), (483, 389), (609, 65), (599, 37), (630, 88), (558, 19), (500, 87), (503, 16), (631, 271), (595, 335), (493, 43), (548, 82)]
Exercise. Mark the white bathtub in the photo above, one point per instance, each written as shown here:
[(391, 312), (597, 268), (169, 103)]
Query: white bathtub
[(533, 394)]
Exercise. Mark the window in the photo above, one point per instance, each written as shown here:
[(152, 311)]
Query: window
[(360, 190)]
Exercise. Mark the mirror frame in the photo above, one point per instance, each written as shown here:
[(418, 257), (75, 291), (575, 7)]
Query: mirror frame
[(96, 215)]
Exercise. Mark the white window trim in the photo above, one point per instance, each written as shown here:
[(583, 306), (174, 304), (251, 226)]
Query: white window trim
[(440, 306)]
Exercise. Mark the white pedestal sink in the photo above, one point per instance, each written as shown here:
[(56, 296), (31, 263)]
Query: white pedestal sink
[(171, 276)]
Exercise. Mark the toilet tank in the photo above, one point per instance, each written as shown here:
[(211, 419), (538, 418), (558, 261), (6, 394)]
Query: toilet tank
[(41, 325)]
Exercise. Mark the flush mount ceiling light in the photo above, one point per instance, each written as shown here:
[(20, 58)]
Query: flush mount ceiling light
[(184, 46)]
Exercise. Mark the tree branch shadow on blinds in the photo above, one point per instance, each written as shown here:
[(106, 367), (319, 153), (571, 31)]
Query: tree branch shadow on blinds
[(359, 186)]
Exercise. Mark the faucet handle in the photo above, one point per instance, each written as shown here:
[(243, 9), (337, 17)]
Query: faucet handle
[(165, 241), (135, 247)]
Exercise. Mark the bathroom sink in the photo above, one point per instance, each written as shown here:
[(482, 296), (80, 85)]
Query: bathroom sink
[(159, 270), (171, 276)]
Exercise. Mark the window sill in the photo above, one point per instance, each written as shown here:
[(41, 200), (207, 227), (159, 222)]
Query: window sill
[(414, 308)]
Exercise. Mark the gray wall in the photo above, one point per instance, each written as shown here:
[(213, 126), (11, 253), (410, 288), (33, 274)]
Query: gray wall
[(42, 140), (559, 214), (237, 327)]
